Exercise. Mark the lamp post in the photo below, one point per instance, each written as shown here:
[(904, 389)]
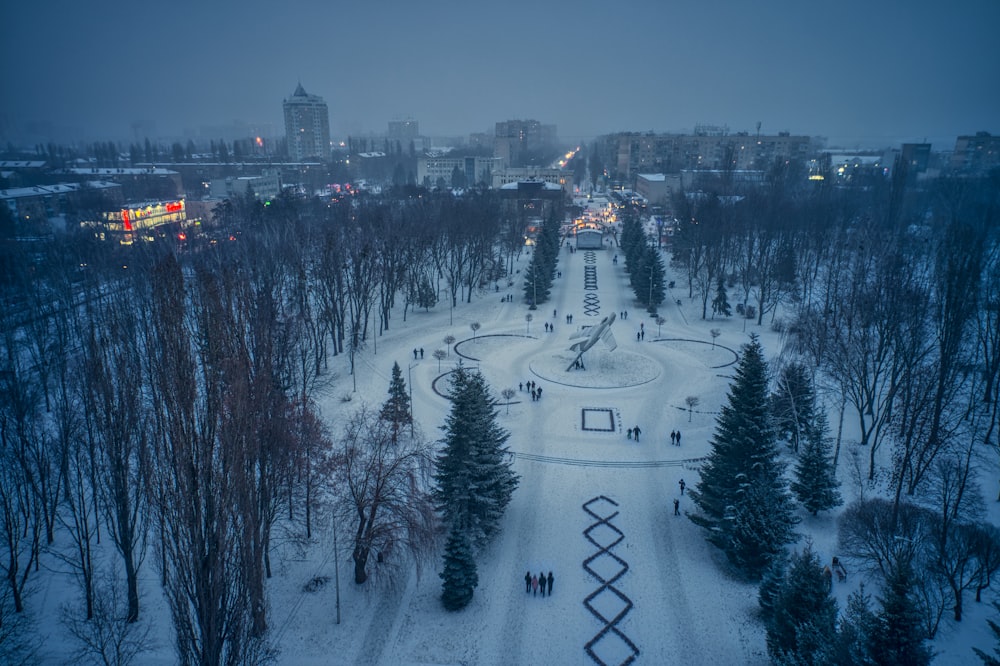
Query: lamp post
[(409, 375)]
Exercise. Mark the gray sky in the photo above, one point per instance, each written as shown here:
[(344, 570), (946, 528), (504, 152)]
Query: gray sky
[(861, 72)]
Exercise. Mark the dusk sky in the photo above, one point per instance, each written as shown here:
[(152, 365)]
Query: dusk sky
[(860, 72)]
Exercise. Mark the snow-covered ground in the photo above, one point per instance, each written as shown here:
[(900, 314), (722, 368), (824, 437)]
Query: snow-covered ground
[(683, 608)]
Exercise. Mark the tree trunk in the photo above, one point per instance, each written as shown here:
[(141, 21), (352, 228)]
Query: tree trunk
[(360, 556)]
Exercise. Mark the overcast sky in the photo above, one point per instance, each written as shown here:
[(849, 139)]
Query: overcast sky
[(861, 72)]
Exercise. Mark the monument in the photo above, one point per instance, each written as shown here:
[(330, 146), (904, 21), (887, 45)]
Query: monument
[(592, 334)]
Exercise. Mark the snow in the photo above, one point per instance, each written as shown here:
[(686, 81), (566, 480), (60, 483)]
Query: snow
[(684, 607)]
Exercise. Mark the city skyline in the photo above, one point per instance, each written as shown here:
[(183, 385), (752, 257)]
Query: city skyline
[(858, 75)]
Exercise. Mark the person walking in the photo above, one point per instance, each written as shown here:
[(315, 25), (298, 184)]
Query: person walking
[(520, 387), (414, 354), (534, 586), (541, 582), (643, 334), (551, 579), (677, 507), (421, 352), (527, 582), (678, 438), (539, 393), (682, 485), (673, 437), (628, 433), (636, 431)]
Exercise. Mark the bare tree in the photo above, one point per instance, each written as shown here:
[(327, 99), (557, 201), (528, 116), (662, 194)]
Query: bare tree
[(475, 326), (508, 394), (440, 355), (692, 402), (384, 489), (116, 423), (449, 340), (106, 637), (205, 541)]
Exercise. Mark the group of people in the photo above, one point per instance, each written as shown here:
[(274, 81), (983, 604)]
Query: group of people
[(569, 319), (640, 335), (549, 328), (633, 431), (675, 437), (536, 391), (623, 314), (535, 584), (417, 352), (508, 298)]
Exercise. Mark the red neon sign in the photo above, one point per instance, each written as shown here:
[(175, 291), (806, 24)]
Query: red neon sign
[(175, 206), (125, 220)]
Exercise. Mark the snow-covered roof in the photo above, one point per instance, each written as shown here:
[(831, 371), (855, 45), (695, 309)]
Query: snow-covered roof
[(117, 171), (21, 164)]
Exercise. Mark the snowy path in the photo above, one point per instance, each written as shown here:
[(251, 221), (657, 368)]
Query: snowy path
[(674, 580)]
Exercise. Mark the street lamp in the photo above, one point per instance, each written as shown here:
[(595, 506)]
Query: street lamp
[(409, 375)]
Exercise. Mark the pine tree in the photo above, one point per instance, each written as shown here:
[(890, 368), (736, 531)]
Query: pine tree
[(815, 483), (771, 583), (474, 479), (720, 304), (459, 578), (899, 636), (396, 410), (742, 497), (803, 621), (854, 635), (990, 660)]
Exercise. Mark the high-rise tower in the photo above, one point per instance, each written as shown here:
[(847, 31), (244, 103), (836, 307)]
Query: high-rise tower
[(307, 126)]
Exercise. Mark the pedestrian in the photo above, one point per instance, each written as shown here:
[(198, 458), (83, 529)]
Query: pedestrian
[(642, 326), (643, 334), (527, 582), (520, 387), (678, 438), (638, 336), (551, 579), (682, 485), (673, 437), (421, 352), (677, 507), (539, 392), (636, 431), (629, 433), (414, 354), (534, 586), (553, 314), (534, 395), (541, 582)]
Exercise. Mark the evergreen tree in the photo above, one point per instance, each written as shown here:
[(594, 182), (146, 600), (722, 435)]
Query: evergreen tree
[(536, 285), (474, 479), (648, 282), (803, 622), (396, 410), (990, 660), (855, 632), (459, 578), (427, 296), (742, 497), (771, 583), (720, 304), (815, 483), (899, 636)]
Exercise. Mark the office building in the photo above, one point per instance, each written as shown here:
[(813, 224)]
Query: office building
[(307, 126)]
